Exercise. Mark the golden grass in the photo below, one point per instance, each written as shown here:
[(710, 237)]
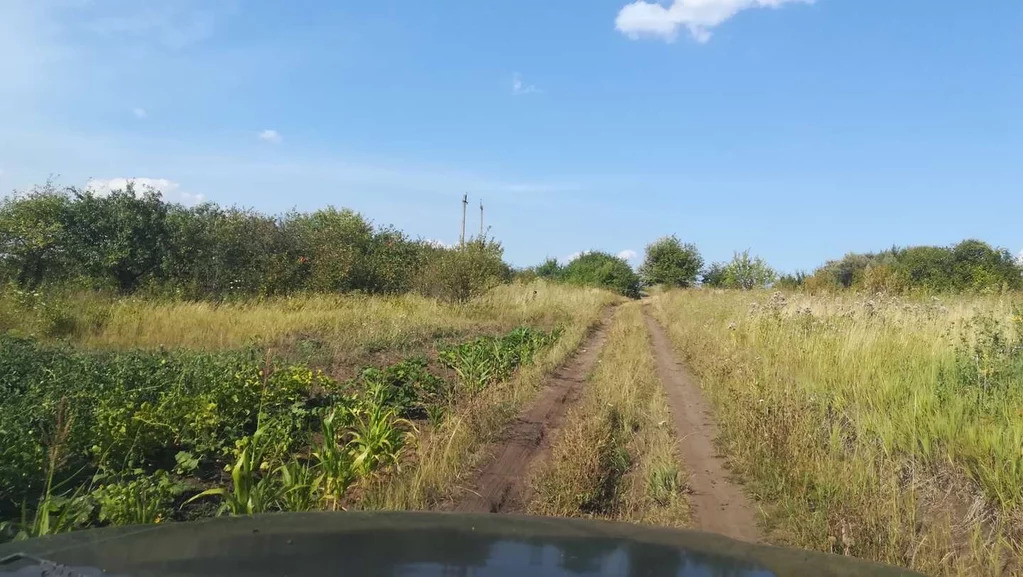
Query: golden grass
[(837, 413), (346, 321), (616, 457), (445, 459)]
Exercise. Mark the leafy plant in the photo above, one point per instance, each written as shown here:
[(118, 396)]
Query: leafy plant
[(140, 500), (251, 490)]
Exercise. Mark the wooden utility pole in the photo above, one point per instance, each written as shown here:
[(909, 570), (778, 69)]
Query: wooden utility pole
[(481, 220), (465, 205)]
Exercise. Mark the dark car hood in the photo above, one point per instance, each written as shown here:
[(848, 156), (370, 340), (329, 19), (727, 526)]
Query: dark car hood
[(414, 544)]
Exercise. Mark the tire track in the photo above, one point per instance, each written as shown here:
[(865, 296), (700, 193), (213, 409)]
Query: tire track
[(718, 505), (502, 484)]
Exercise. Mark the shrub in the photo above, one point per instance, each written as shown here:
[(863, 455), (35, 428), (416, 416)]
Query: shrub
[(603, 270), (463, 273), (669, 262), (747, 273)]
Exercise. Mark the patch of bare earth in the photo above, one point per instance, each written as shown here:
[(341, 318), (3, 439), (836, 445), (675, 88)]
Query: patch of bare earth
[(501, 485), (717, 504)]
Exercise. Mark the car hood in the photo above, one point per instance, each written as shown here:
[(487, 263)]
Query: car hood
[(413, 544)]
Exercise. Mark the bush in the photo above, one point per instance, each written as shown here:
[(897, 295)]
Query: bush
[(599, 269), (461, 274), (133, 241), (669, 262), (970, 266), (746, 273)]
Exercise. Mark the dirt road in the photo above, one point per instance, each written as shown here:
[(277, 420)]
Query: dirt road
[(718, 505), (502, 484)]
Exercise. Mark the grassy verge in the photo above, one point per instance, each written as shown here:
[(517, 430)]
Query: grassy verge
[(616, 458), (447, 456), (885, 429)]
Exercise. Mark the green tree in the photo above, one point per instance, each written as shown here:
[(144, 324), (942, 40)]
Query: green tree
[(33, 240), (670, 262), (549, 269), (600, 269), (714, 276), (747, 273), (120, 238)]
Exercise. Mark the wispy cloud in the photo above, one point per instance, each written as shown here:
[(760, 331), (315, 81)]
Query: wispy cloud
[(700, 17), (169, 189), (628, 254), (139, 112), (271, 136), (520, 88)]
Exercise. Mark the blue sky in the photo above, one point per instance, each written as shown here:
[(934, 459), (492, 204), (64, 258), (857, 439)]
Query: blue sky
[(801, 130)]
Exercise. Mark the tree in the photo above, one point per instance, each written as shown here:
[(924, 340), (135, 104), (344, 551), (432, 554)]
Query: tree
[(670, 262), (714, 276), (120, 238), (747, 273), (549, 269), (603, 270), (33, 237)]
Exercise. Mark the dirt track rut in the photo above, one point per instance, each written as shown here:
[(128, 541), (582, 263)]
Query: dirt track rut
[(501, 486), (718, 505)]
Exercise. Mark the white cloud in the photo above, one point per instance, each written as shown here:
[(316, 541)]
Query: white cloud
[(572, 256), (169, 189), (139, 112), (650, 19), (520, 87), (269, 135), (1019, 257), (628, 254), (438, 243)]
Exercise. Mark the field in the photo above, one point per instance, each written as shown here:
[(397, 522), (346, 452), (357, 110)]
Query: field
[(884, 428), (284, 404)]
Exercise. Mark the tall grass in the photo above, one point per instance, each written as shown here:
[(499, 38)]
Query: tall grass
[(345, 322), (616, 457), (882, 428)]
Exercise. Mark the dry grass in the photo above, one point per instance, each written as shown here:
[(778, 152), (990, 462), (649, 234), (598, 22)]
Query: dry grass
[(849, 418), (616, 457), (334, 332)]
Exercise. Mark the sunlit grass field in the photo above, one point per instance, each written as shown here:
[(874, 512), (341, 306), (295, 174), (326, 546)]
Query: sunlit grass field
[(883, 428), (337, 330)]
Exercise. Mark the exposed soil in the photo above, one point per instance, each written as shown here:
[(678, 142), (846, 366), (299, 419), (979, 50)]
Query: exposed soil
[(501, 486), (718, 505)]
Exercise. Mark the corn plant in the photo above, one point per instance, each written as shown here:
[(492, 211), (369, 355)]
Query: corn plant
[(337, 471), (377, 438), (301, 485), (486, 360), (250, 492)]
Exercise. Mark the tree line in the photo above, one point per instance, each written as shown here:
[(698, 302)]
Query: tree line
[(969, 266), (133, 241)]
